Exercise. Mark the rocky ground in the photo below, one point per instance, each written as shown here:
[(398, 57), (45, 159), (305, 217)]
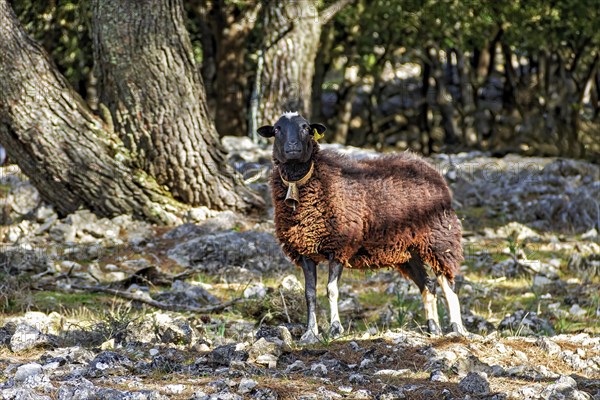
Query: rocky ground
[(210, 309)]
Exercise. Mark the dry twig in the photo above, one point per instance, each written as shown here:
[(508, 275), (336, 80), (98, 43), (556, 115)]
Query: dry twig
[(146, 299)]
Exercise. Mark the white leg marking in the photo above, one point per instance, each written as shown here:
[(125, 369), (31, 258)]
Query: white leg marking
[(453, 304), (335, 273), (430, 303), (311, 336), (333, 295), (312, 323)]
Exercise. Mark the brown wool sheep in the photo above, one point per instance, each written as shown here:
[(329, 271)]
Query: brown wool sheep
[(392, 211)]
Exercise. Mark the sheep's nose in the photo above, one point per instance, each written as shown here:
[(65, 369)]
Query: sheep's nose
[(293, 142)]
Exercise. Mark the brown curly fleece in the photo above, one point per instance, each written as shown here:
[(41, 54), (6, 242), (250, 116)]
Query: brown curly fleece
[(370, 213)]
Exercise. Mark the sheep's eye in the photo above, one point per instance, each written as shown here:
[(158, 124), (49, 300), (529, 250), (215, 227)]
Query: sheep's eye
[(277, 130), (305, 127)]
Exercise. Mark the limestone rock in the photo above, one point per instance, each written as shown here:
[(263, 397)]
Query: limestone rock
[(475, 383)]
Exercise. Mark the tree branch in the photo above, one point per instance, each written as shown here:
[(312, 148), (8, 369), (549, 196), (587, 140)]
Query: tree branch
[(146, 299), (588, 77), (327, 14), (579, 52)]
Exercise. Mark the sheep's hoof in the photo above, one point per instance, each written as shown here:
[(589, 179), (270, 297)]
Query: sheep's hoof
[(459, 329), (309, 337), (336, 330), (433, 328)]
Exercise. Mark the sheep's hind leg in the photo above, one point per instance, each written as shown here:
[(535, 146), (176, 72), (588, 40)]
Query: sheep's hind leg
[(335, 273), (453, 306), (430, 304), (415, 269), (310, 291)]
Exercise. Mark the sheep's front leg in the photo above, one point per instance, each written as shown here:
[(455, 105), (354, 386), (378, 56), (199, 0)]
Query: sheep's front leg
[(335, 273), (310, 291)]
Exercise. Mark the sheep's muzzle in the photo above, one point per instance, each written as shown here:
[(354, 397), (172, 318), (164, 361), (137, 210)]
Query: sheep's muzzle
[(292, 198)]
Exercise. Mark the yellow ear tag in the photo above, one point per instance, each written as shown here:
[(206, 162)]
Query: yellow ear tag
[(318, 136)]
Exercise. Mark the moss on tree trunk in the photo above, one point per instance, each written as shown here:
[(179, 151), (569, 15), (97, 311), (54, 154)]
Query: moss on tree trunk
[(152, 86), (164, 152)]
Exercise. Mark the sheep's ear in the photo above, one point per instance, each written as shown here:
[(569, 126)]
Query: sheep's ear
[(319, 128), (266, 131)]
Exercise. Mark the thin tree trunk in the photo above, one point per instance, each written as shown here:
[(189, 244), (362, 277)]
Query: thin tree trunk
[(466, 99), (204, 12), (596, 96), (482, 63), (443, 98), (70, 155), (491, 67), (512, 109), (349, 85), (542, 71), (344, 115), (509, 100), (576, 147), (232, 31), (321, 69), (569, 103), (424, 126), (565, 100), (373, 134), (151, 84), (466, 95)]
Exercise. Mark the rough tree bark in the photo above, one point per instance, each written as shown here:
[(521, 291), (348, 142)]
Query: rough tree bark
[(291, 33), (75, 159), (153, 89), (70, 155)]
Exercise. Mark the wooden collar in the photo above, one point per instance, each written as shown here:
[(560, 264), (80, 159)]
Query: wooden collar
[(292, 199)]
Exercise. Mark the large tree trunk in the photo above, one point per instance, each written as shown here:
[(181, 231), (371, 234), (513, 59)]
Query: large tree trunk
[(69, 154), (73, 157), (152, 87), (291, 35)]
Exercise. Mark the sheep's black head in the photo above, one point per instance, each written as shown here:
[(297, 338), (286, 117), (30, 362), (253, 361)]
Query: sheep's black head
[(293, 137)]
